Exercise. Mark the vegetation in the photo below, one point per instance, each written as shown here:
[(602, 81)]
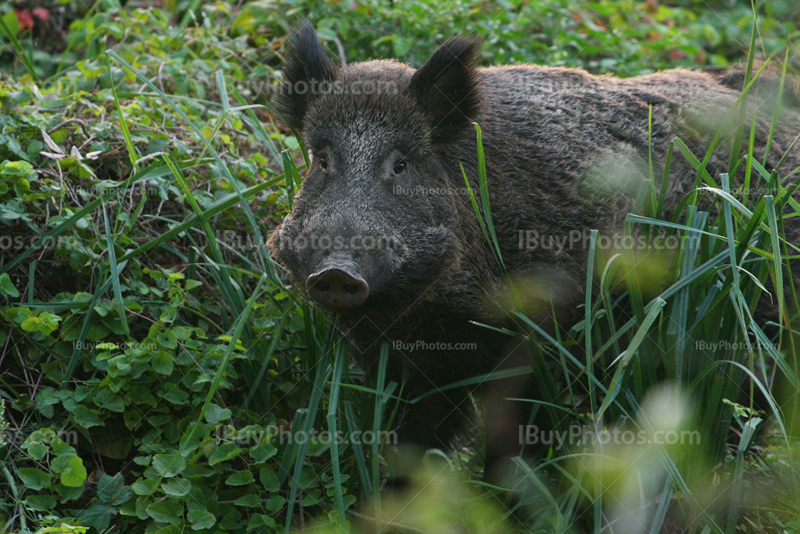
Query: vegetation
[(159, 375)]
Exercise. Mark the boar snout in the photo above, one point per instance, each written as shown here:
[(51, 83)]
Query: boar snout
[(338, 284)]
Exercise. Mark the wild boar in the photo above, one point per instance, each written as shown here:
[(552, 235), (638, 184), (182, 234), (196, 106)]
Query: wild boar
[(383, 234)]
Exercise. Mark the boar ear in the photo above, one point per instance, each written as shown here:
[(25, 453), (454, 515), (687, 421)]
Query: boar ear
[(305, 66), (447, 87)]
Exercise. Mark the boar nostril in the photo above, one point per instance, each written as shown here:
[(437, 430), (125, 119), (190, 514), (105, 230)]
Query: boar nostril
[(322, 285), (338, 286)]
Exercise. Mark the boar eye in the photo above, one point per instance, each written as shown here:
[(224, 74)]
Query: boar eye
[(323, 162), (399, 167)]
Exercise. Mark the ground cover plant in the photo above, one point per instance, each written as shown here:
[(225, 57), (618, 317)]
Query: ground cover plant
[(158, 375)]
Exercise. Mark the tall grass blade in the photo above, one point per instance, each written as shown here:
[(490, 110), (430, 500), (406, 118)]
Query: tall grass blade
[(377, 418), (587, 328), (736, 146), (126, 133), (115, 274), (358, 450), (323, 371), (333, 408)]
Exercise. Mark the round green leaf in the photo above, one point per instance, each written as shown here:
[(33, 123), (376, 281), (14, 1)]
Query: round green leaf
[(249, 501), (224, 452), (201, 519), (240, 478), (269, 480), (33, 478), (75, 473), (168, 465), (168, 511), (177, 487), (42, 503)]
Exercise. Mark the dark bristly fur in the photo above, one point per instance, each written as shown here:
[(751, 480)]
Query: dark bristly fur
[(565, 152)]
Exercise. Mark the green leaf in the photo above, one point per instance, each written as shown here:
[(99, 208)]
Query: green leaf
[(98, 516), (45, 323), (61, 448), (177, 487), (144, 486), (42, 503), (182, 332), (12, 23), (191, 284), (168, 511), (201, 519), (249, 501), (108, 400), (240, 478), (75, 474), (224, 452), (33, 478), (59, 463), (163, 363), (195, 433), (275, 503), (215, 414), (269, 480), (112, 490), (69, 494), (7, 287), (45, 400), (260, 521), (37, 451), (262, 453), (19, 314), (312, 498), (84, 417), (168, 465), (167, 339), (176, 396)]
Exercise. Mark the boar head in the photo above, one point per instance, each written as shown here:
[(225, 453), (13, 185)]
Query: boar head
[(375, 224)]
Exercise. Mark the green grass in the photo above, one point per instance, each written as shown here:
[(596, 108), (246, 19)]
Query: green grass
[(147, 357)]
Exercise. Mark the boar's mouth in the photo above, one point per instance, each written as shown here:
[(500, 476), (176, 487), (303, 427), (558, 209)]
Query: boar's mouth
[(337, 284)]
